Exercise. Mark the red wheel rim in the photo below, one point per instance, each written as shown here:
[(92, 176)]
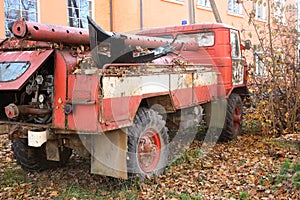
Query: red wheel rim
[(149, 148), (237, 118)]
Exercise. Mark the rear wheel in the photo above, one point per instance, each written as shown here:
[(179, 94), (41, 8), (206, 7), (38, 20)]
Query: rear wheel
[(35, 158), (233, 120), (147, 144)]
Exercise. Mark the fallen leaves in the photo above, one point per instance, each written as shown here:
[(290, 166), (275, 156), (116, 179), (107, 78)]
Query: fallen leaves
[(245, 167)]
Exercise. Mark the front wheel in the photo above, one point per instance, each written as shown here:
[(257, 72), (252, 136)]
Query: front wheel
[(147, 144), (233, 120), (35, 158)]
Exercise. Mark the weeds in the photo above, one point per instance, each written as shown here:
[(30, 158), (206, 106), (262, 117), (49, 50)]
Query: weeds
[(290, 172)]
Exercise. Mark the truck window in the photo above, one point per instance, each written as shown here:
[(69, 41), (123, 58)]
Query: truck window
[(10, 71), (204, 39), (235, 44), (166, 36)]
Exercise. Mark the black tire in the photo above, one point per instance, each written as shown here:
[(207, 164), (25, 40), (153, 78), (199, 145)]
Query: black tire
[(148, 127), (233, 120), (35, 158)]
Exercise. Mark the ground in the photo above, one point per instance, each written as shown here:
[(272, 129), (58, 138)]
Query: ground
[(249, 167)]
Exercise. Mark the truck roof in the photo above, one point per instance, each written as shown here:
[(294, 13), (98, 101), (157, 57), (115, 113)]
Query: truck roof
[(184, 28)]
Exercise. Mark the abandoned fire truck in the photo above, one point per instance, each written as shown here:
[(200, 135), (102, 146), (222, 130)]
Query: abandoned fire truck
[(112, 97)]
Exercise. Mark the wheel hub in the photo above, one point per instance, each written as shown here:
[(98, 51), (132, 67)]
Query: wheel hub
[(149, 147), (237, 118)]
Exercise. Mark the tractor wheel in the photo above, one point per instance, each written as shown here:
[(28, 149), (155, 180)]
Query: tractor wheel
[(233, 120), (147, 144), (35, 158)]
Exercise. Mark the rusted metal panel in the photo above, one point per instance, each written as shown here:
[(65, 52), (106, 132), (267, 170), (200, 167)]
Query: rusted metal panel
[(83, 96), (52, 150), (50, 33), (35, 58), (122, 86), (186, 87), (109, 153)]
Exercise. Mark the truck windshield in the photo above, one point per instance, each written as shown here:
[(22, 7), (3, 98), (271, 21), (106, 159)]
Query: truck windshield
[(10, 71), (203, 39)]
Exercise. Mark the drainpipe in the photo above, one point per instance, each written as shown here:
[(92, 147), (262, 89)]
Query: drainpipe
[(111, 15), (215, 11), (192, 11), (141, 15)]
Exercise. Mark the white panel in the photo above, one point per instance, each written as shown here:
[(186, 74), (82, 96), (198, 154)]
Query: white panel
[(37, 138), (122, 86), (205, 78), (155, 84)]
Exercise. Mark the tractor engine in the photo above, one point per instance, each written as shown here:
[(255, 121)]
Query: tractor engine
[(33, 103)]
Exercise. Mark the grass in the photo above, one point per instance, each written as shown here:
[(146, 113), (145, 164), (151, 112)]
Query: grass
[(290, 172), (123, 191), (13, 176)]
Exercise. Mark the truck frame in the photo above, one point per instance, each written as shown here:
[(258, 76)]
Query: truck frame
[(113, 97)]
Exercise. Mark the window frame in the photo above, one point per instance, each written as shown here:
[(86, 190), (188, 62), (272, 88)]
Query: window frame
[(198, 34), (263, 8), (21, 11), (237, 44), (260, 68), (231, 9), (204, 4), (90, 11), (278, 13), (181, 2)]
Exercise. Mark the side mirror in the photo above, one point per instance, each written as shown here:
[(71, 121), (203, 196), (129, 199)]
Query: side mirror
[(248, 44)]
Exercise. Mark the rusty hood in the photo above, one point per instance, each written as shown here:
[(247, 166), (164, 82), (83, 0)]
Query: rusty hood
[(16, 67)]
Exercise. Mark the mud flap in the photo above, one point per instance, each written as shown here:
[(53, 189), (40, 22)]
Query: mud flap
[(109, 153), (52, 150), (4, 129)]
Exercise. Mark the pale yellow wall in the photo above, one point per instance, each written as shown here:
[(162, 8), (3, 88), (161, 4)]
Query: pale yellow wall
[(102, 13), (164, 13), (53, 12), (2, 24), (126, 14)]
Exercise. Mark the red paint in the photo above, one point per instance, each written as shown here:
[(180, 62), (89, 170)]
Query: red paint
[(83, 95), (237, 118), (149, 148), (60, 90), (36, 59), (50, 33), (218, 55), (120, 109)]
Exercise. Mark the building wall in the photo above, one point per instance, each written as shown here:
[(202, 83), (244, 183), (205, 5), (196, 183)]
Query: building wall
[(126, 15), (2, 23), (53, 12)]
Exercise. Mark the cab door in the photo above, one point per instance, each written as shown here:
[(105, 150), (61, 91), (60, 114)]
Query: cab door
[(237, 60)]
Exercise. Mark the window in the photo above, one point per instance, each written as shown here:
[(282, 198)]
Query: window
[(260, 10), (259, 64), (15, 9), (204, 3), (279, 14), (78, 10), (234, 7), (10, 71), (165, 36), (235, 44), (204, 39), (176, 1)]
